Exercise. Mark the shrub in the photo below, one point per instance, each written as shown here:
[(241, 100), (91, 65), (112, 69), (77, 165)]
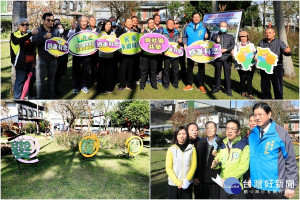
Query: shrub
[(30, 127), (70, 139), (159, 137), (6, 25), (114, 141)]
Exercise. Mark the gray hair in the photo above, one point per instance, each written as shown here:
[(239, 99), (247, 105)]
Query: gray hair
[(22, 20), (83, 16)]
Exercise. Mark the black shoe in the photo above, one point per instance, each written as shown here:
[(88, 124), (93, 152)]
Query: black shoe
[(155, 87), (229, 94), (142, 88), (166, 88), (215, 90)]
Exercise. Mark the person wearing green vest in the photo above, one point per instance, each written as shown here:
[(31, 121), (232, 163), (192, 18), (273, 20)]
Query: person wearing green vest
[(233, 158)]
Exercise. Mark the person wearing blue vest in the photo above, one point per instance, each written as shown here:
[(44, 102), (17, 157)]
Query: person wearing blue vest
[(193, 32), (273, 167)]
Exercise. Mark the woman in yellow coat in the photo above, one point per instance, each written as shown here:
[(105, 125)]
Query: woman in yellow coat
[(181, 163)]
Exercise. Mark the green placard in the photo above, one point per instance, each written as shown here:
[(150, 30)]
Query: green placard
[(82, 43), (130, 43)]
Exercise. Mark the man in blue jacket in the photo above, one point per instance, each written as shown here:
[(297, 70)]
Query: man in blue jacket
[(273, 167), (45, 62), (193, 32)]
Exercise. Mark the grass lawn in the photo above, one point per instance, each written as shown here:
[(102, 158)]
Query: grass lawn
[(159, 177), (61, 174), (291, 86)]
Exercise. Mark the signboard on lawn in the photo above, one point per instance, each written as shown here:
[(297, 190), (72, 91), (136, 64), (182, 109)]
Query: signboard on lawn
[(83, 43)]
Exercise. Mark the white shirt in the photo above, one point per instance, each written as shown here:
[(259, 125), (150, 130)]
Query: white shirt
[(265, 129)]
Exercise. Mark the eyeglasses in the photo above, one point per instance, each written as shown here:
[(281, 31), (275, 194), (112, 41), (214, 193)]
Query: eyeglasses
[(230, 128), (52, 20), (176, 23), (259, 114), (24, 24)]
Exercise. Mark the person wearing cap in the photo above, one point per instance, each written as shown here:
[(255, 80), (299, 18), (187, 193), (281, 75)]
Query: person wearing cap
[(245, 75), (279, 48)]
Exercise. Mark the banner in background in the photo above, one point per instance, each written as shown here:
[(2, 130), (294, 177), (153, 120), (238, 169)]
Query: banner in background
[(82, 43), (154, 43), (233, 19), (57, 46), (130, 43), (203, 51)]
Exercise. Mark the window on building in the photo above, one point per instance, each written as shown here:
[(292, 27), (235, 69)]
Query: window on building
[(71, 5), (79, 7), (64, 5), (40, 115), (30, 113), (24, 112), (34, 113)]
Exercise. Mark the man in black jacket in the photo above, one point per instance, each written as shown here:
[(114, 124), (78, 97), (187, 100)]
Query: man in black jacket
[(81, 64), (227, 44), (279, 48), (206, 152), (45, 62)]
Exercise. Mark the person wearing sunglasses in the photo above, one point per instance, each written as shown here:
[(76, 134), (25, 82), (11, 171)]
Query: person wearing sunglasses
[(233, 159), (46, 63), (22, 54)]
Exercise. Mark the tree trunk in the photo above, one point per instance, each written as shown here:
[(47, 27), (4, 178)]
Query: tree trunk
[(214, 6), (19, 11), (288, 66)]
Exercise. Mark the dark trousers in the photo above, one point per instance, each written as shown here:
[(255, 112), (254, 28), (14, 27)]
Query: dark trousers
[(246, 76), (227, 72), (190, 74), (105, 75), (166, 71), (182, 67), (159, 67), (225, 195), (148, 62), (80, 71), (62, 63), (127, 71), (277, 82), (21, 77), (207, 190), (94, 67), (175, 193), (267, 195), (137, 71)]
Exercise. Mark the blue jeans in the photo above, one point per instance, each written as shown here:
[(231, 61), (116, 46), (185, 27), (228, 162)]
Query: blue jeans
[(21, 77), (43, 66)]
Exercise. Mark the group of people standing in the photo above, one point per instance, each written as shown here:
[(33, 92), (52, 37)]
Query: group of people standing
[(106, 69), (263, 162)]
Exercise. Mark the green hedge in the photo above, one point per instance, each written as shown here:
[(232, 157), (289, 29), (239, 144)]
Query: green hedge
[(159, 137), (6, 25)]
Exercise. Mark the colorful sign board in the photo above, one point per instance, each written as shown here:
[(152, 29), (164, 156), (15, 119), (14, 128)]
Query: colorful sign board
[(89, 146), (154, 43), (83, 43), (244, 57), (108, 43), (134, 145), (174, 50), (203, 51), (57, 46), (233, 19), (266, 59), (130, 43), (24, 148)]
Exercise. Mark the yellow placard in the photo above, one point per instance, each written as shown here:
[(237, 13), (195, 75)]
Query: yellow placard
[(89, 146), (134, 145)]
